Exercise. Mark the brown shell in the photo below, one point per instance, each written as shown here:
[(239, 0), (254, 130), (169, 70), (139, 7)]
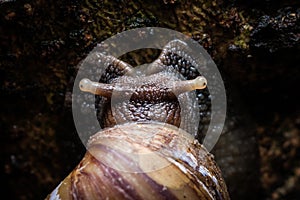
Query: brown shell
[(143, 161)]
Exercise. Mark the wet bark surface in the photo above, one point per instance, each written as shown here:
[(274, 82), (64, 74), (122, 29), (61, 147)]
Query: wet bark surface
[(255, 44)]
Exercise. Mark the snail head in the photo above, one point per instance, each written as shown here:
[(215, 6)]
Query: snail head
[(146, 93)]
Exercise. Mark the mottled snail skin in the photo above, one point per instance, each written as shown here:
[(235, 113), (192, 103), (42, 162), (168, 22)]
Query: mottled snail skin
[(150, 105), (122, 161)]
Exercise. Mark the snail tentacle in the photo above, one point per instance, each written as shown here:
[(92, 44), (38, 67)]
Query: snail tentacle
[(114, 67), (119, 64), (106, 90), (189, 85), (176, 55), (103, 89)]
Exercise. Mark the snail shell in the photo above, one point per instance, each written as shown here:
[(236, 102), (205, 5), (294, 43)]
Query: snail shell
[(146, 149), (151, 161)]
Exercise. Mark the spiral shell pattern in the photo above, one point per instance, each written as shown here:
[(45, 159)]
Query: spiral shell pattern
[(143, 161)]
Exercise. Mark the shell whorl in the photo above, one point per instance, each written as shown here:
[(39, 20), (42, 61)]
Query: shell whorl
[(151, 161)]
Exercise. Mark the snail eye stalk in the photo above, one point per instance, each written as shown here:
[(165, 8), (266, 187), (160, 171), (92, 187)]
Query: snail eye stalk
[(198, 83), (106, 90)]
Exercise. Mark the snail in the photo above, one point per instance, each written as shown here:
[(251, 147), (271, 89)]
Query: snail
[(147, 149)]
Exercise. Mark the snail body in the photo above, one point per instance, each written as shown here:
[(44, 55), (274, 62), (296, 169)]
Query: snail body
[(146, 149)]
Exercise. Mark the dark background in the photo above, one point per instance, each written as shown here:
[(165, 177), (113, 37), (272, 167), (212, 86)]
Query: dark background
[(255, 44)]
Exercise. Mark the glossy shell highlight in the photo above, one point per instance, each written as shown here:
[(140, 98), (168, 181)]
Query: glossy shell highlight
[(143, 161)]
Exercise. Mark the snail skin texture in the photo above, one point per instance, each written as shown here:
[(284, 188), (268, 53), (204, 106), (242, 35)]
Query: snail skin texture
[(145, 150)]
